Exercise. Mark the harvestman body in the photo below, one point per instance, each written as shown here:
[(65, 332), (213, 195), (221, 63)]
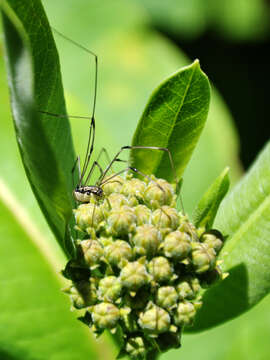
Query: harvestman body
[(83, 192)]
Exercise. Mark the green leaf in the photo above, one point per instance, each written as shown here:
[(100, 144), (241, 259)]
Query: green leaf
[(45, 142), (173, 118), (244, 338), (205, 212), (35, 318), (244, 216)]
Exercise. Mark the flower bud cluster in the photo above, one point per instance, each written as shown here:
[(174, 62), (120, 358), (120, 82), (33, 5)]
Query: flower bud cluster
[(140, 264)]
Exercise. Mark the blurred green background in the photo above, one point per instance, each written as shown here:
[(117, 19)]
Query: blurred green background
[(139, 43)]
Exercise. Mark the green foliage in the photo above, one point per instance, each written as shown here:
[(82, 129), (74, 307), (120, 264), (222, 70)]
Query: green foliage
[(44, 141), (173, 118), (245, 217), (205, 212), (35, 321), (47, 152)]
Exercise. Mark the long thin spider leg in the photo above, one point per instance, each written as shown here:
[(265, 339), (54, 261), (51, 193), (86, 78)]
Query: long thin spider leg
[(146, 148), (150, 148), (132, 169), (64, 116), (103, 150), (95, 164), (90, 148), (91, 139), (77, 161), (161, 149)]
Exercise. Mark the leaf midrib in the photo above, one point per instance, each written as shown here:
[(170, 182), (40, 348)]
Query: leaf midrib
[(176, 115)]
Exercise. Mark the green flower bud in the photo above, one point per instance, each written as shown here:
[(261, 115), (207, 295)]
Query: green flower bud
[(155, 320), (89, 216), (143, 214), (113, 186), (167, 297), (136, 347), (105, 315), (121, 222), (117, 252), (158, 193), (146, 240), (188, 289), (185, 314), (143, 267), (161, 270), (134, 276), (166, 217), (188, 228), (92, 252), (177, 245), (203, 258), (211, 240), (134, 188), (109, 289), (117, 200)]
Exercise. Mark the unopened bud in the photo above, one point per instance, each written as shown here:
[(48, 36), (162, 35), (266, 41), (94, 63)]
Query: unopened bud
[(113, 185), (155, 320), (203, 258), (146, 240), (158, 193), (89, 216), (167, 297), (134, 276), (109, 289), (185, 314), (188, 289), (143, 214), (105, 315), (92, 252), (166, 217), (122, 222), (116, 200), (177, 245), (212, 241), (161, 269), (134, 188), (117, 252)]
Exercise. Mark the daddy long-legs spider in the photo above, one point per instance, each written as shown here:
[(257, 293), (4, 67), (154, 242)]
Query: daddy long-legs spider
[(85, 189)]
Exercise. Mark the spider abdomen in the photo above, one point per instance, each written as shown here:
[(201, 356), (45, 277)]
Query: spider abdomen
[(85, 193)]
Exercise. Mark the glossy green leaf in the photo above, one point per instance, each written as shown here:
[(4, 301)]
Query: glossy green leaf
[(173, 118), (244, 216), (205, 212), (244, 338), (45, 142), (35, 318)]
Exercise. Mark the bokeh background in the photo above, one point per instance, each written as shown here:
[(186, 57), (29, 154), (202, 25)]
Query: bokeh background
[(139, 43)]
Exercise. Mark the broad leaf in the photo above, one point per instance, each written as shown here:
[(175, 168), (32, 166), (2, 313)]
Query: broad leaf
[(245, 217), (45, 142), (35, 318), (205, 212), (173, 118)]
